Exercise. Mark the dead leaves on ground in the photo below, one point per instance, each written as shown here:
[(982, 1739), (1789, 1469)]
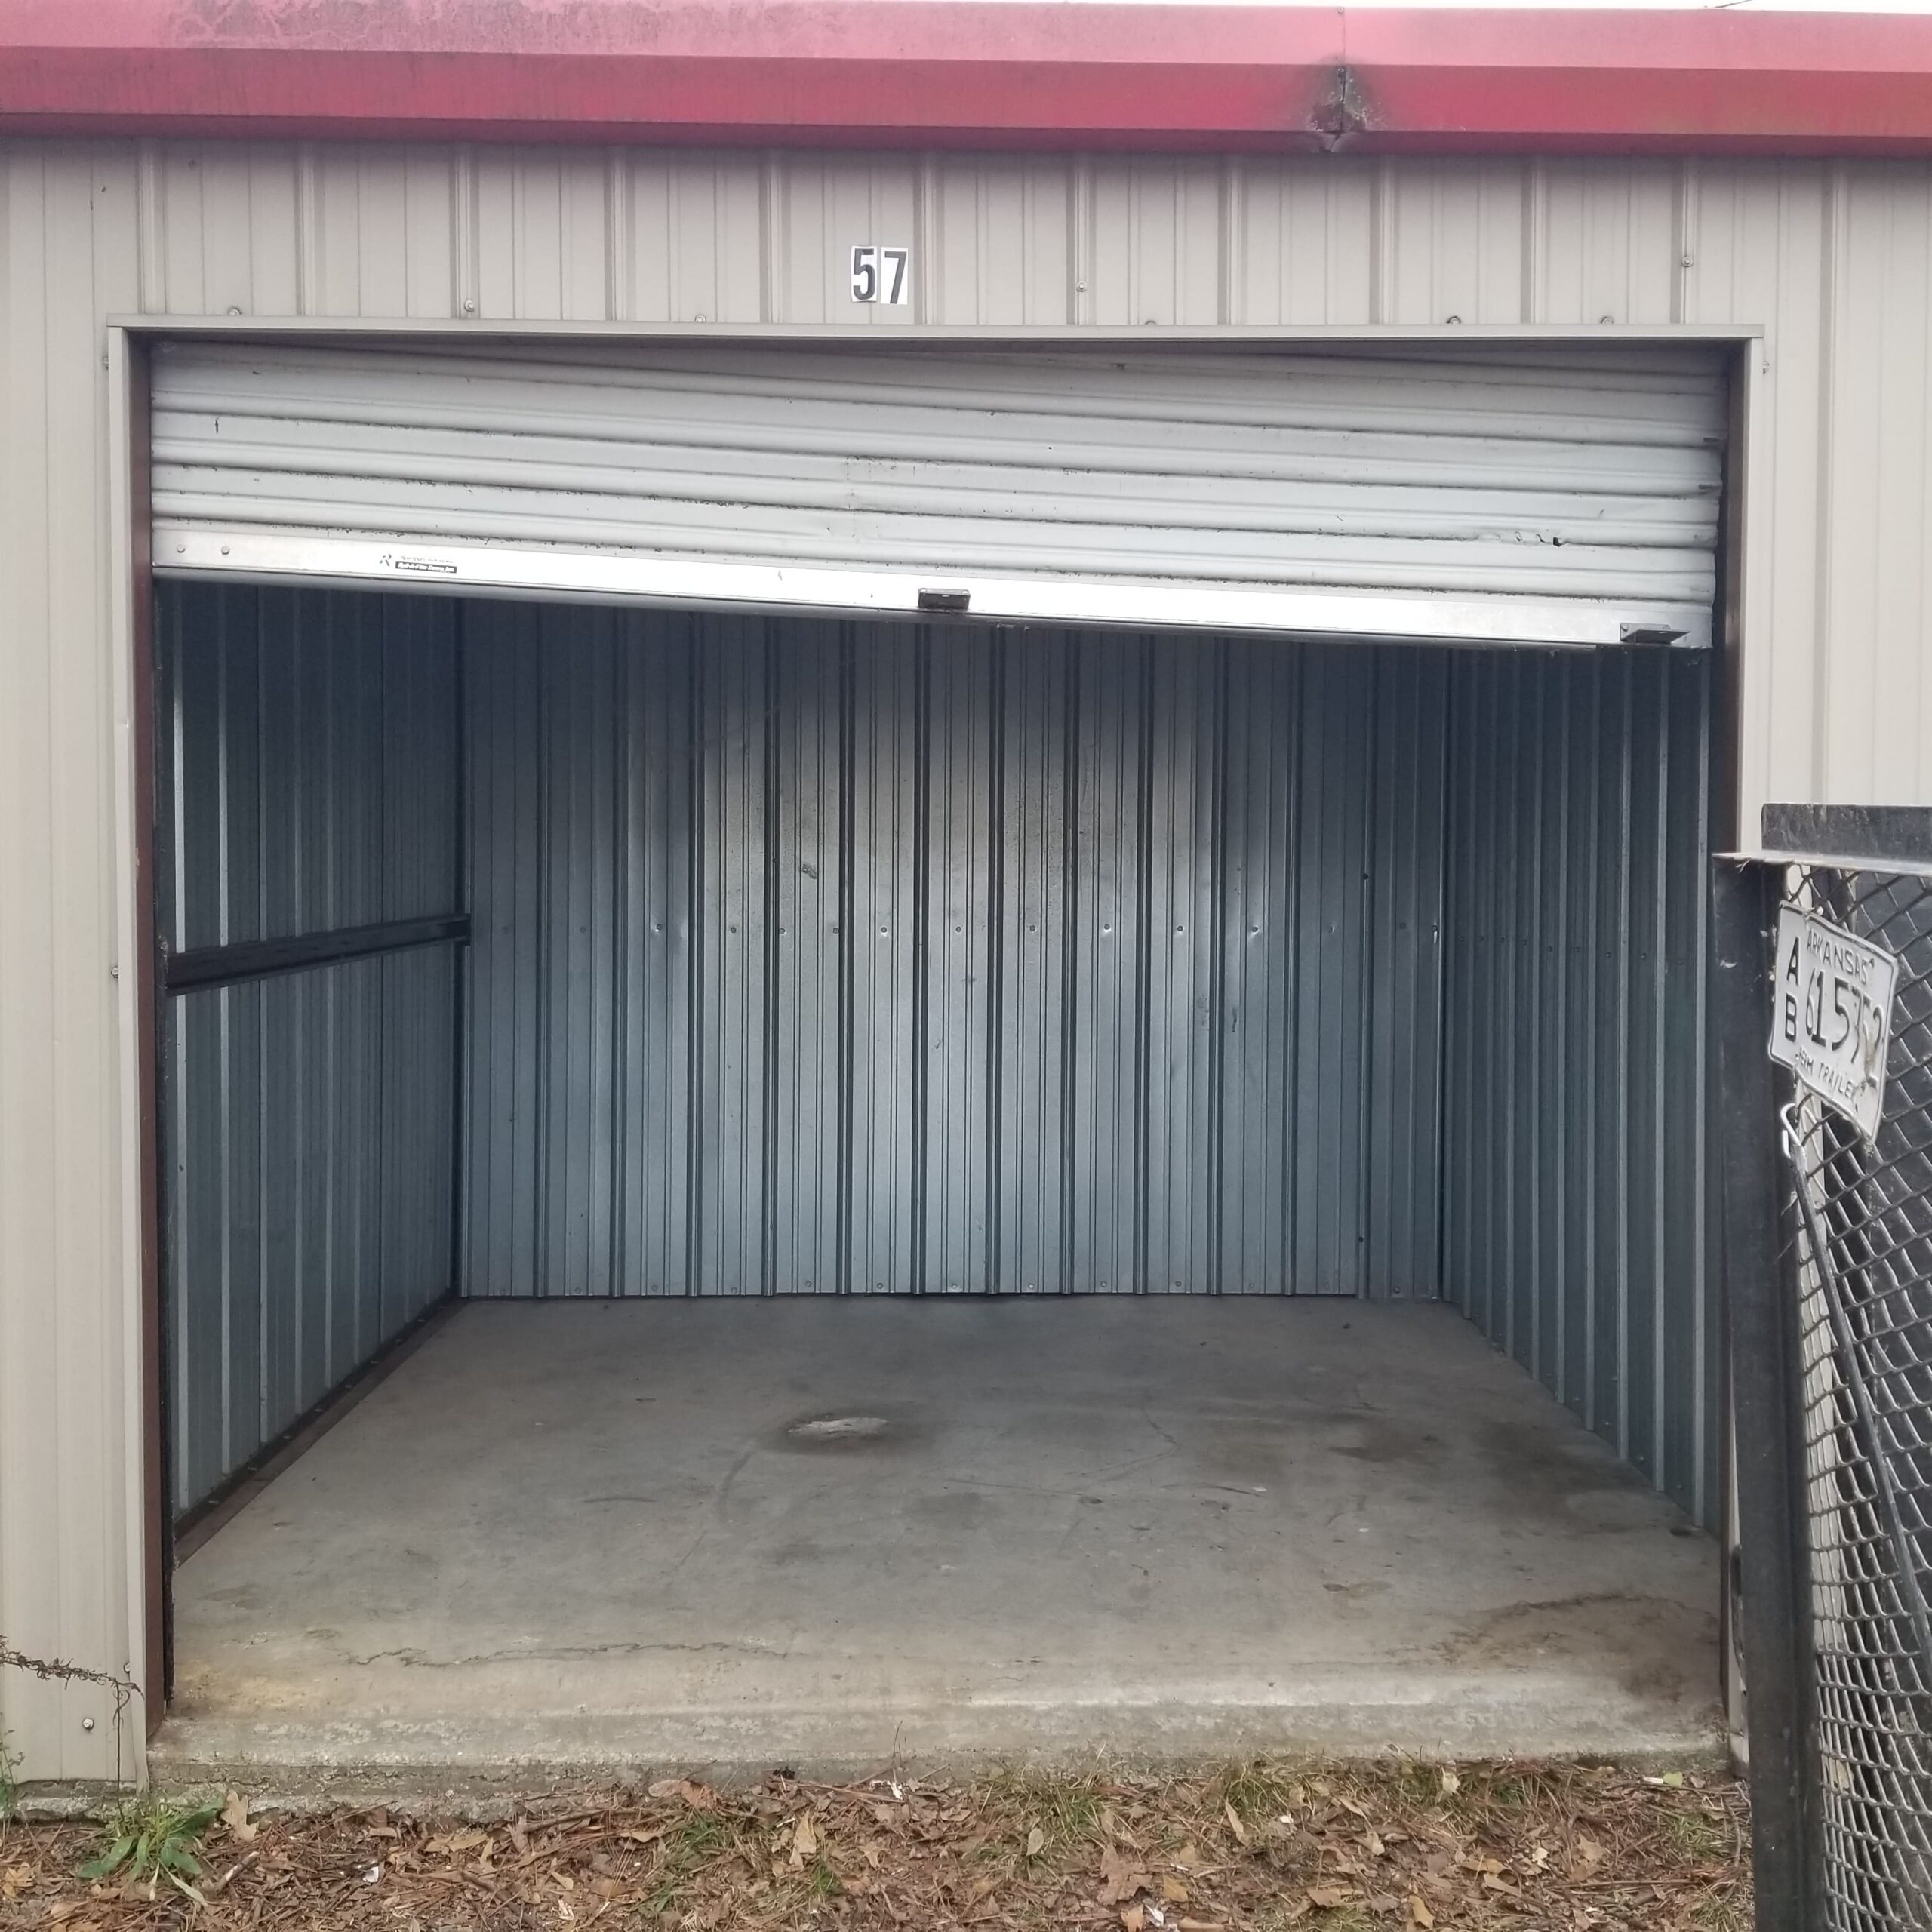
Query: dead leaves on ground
[(1256, 1848)]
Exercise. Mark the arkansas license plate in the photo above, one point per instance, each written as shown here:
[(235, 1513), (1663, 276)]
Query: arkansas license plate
[(1831, 1013)]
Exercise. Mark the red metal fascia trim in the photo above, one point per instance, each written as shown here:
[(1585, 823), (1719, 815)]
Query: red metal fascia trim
[(679, 98), (967, 73)]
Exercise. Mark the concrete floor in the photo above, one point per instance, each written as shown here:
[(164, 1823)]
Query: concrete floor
[(583, 1535)]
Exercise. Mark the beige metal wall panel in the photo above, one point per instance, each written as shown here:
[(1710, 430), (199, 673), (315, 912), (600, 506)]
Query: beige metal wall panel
[(68, 256), (1757, 244), (1830, 260)]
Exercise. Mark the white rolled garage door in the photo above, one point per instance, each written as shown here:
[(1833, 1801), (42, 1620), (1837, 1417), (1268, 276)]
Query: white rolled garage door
[(1564, 496)]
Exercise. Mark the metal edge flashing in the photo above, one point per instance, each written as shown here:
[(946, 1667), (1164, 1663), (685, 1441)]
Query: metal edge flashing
[(1898, 837), (860, 74), (434, 329), (198, 552), (149, 1556)]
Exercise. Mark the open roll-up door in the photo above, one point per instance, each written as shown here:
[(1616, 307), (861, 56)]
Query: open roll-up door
[(1518, 494)]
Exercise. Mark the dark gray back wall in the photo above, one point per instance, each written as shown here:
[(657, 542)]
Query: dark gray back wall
[(816, 958), (308, 780)]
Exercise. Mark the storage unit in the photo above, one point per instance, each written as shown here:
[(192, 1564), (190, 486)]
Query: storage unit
[(714, 933), (1178, 762)]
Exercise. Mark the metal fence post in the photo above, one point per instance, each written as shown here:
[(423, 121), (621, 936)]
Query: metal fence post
[(1766, 1397)]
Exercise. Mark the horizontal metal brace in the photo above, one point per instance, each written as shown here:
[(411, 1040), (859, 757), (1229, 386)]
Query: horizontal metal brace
[(195, 551), (198, 968)]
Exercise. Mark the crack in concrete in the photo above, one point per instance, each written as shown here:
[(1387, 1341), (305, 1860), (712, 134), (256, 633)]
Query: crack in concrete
[(420, 1659)]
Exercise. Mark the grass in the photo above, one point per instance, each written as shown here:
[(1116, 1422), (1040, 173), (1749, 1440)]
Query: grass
[(1066, 1811), (698, 1840), (1256, 1792), (1695, 1838), (10, 1789), (150, 1838)]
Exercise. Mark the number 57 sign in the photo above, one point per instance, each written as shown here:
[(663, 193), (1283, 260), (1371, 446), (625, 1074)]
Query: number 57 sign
[(1831, 1013), (879, 274)]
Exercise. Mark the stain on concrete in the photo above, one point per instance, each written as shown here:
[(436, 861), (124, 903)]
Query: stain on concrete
[(857, 1428), (826, 1430), (1653, 1647), (1547, 1473)]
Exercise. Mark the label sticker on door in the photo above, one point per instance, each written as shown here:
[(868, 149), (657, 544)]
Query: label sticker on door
[(1831, 1013), (880, 274)]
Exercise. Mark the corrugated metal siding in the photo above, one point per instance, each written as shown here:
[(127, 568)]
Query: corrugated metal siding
[(818, 959), (1577, 1229), (308, 780), (1830, 258)]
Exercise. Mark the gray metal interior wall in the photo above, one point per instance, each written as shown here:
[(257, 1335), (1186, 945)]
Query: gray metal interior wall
[(1577, 1231), (308, 780), (815, 958)]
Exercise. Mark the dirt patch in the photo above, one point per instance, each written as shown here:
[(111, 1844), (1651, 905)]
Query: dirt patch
[(1249, 1849), (1570, 1478), (1661, 1642)]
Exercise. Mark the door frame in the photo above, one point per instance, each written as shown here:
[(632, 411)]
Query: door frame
[(129, 338)]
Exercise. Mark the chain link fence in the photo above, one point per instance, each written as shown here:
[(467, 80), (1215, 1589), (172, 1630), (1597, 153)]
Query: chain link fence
[(1857, 1225)]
